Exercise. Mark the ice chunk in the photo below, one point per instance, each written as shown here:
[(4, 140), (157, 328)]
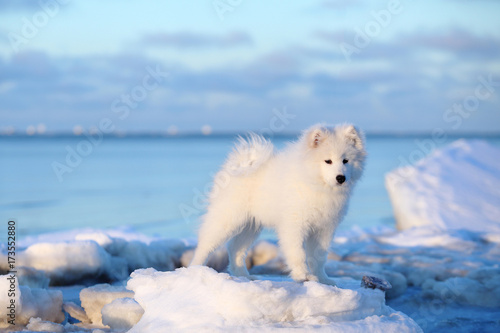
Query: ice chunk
[(100, 238), (263, 252), (42, 303), (67, 262), (76, 311), (10, 298), (161, 254), (199, 298), (121, 314), (96, 254), (96, 297), (480, 288), (276, 266), (39, 325), (456, 187), (31, 277)]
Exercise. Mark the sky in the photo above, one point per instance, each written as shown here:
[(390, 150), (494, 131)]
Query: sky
[(238, 65)]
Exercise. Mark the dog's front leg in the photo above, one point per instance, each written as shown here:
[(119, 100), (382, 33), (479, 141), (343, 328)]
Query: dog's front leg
[(292, 245), (317, 245)]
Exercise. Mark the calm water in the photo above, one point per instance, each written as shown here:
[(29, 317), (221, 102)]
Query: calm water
[(149, 182)]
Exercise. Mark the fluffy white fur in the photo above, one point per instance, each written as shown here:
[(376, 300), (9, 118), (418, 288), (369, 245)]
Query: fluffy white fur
[(295, 191)]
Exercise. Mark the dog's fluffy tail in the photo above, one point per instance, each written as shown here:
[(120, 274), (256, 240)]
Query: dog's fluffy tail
[(248, 155)]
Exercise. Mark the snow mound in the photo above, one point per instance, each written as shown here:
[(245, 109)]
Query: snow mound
[(199, 298), (456, 187)]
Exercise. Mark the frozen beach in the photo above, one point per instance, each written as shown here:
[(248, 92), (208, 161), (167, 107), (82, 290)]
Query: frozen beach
[(442, 260), (441, 279)]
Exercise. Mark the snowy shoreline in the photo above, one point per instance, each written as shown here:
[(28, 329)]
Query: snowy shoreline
[(431, 269)]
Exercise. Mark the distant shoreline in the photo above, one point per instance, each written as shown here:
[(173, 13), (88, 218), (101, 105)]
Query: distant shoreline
[(195, 135)]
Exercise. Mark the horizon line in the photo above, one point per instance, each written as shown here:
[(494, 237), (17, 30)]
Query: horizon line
[(186, 134)]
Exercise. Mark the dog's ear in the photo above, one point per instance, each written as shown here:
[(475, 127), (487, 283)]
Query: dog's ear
[(314, 136), (355, 136)]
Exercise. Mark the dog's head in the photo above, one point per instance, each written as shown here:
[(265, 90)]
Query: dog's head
[(337, 153)]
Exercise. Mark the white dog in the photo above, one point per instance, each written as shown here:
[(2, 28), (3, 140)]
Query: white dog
[(302, 192)]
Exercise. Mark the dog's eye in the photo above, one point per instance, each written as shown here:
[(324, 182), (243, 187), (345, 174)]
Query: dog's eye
[(328, 161), (345, 161)]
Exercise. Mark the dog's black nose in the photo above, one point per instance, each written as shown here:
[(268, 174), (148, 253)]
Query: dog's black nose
[(340, 179)]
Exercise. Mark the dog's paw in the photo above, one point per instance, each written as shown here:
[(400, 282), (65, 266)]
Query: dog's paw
[(245, 275), (327, 281), (311, 277), (304, 277)]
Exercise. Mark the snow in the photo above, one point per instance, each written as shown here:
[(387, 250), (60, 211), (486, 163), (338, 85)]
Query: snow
[(456, 187), (354, 270), (480, 288), (199, 298), (427, 256), (32, 278), (76, 312), (98, 235), (39, 325), (30, 302), (122, 314), (96, 297), (456, 269), (7, 286), (46, 304), (67, 262), (92, 254)]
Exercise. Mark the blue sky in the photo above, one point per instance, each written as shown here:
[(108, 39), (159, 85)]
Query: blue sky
[(416, 65)]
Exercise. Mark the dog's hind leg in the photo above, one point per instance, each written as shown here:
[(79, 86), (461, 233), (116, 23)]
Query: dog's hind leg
[(215, 231), (238, 246)]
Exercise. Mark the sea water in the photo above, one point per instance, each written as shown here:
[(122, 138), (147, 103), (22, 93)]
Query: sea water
[(156, 185)]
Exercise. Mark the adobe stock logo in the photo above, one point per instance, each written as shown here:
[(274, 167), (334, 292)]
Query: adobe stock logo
[(222, 7), (453, 117), (32, 26), (372, 29)]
